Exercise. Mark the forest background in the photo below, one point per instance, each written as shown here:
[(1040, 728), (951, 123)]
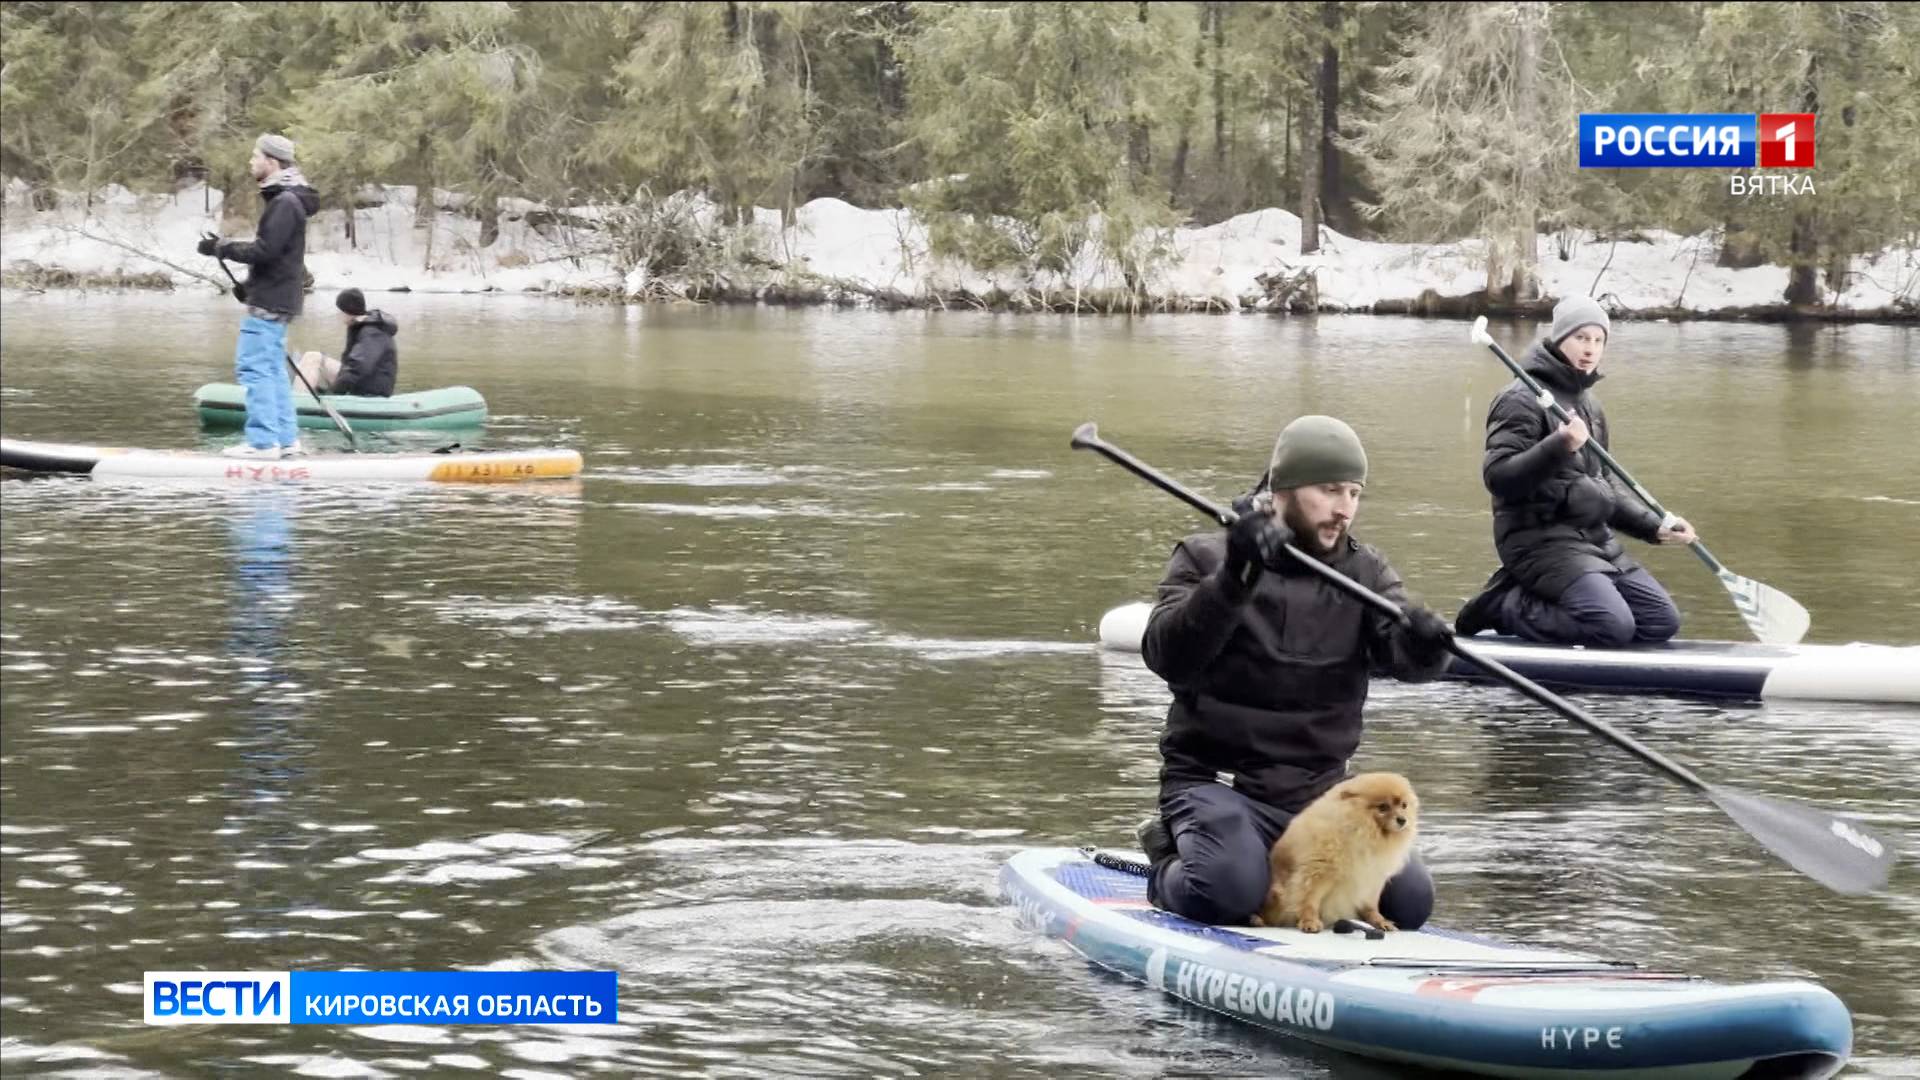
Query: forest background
[(1025, 139)]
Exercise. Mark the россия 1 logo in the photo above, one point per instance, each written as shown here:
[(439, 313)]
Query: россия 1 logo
[(1704, 140)]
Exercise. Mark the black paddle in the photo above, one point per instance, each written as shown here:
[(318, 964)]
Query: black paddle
[(338, 420), (240, 294), (1774, 617), (1844, 857)]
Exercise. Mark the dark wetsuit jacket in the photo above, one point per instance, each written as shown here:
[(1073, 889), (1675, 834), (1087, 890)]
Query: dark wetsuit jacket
[(1554, 510), (1268, 682)]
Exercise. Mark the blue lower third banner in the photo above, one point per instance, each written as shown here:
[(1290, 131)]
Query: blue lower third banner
[(382, 997)]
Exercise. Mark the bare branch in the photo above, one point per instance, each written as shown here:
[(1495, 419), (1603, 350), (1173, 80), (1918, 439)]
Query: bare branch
[(149, 256)]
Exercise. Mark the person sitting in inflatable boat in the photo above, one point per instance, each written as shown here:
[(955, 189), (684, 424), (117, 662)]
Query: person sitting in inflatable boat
[(369, 365)]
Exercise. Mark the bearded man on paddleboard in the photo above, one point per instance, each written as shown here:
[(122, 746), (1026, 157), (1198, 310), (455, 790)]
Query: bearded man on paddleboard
[(1268, 663)]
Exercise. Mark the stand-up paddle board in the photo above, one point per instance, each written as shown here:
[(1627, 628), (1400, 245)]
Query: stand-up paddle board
[(505, 466), (1715, 669), (1436, 998)]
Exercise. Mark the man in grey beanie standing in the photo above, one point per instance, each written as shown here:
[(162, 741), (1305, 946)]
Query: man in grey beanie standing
[(1269, 665), (1563, 577), (274, 291)]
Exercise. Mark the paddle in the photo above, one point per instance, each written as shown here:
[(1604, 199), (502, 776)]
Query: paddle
[(1774, 617), (338, 420), (240, 294), (1844, 857)]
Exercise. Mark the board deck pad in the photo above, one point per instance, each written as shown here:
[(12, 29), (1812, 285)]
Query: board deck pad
[(1437, 948)]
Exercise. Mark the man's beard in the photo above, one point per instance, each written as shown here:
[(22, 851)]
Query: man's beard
[(1306, 534)]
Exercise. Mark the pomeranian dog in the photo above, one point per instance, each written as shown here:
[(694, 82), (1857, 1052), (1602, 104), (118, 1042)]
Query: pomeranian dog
[(1339, 852)]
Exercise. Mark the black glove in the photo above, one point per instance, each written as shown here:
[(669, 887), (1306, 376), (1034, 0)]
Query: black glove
[(209, 244), (1252, 500), (1255, 542), (1427, 633)]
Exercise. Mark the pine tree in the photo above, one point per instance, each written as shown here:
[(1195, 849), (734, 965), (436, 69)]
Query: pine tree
[(1855, 66), (1255, 76), (719, 97), (221, 74), (427, 95), (76, 113), (1033, 119), (1470, 135)]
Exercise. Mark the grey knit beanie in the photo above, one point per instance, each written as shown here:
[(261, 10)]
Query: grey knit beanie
[(1575, 312), (277, 147), (1316, 450)]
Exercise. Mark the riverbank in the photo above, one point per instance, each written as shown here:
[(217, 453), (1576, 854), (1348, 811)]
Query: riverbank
[(831, 252)]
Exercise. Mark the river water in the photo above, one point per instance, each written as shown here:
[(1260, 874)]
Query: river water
[(754, 711)]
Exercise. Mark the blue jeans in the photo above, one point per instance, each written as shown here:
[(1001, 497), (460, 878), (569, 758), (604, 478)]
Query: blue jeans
[(260, 364), (1597, 609), (1221, 875)]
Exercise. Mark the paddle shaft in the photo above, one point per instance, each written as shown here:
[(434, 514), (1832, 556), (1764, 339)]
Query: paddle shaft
[(1840, 855), (338, 420), (1085, 439), (1558, 412)]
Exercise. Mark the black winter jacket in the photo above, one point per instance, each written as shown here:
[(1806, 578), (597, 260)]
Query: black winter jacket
[(370, 363), (277, 253), (1268, 682), (1554, 511)]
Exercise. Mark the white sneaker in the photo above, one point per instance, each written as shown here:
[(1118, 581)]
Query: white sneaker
[(256, 452), (297, 449)]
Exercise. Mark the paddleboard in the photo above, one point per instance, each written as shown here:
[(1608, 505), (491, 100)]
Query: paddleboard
[(224, 406), (1437, 998), (103, 462), (1716, 669)]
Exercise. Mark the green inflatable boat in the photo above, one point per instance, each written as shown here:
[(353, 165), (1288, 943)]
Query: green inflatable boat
[(223, 405)]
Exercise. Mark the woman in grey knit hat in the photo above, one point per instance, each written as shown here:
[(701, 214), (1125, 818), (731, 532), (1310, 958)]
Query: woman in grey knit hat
[(1563, 577)]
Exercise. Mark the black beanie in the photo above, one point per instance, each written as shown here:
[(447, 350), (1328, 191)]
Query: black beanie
[(352, 301)]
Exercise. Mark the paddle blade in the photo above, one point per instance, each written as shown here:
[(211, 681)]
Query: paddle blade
[(1837, 853), (1085, 435), (1774, 617), (1480, 335)]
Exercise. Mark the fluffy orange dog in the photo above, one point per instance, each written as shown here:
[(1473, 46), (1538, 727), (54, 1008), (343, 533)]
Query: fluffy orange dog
[(1339, 852)]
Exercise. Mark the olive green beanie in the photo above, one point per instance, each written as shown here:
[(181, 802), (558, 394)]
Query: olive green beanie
[(1316, 450)]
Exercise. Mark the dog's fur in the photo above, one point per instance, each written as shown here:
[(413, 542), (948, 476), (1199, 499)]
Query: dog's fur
[(1339, 852)]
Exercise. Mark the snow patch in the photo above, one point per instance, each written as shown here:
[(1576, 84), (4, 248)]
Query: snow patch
[(834, 246)]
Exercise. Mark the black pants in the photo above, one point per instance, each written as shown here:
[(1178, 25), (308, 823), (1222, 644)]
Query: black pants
[(1221, 875), (1597, 609)]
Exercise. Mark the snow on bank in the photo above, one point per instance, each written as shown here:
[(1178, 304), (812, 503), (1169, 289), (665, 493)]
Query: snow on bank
[(834, 250)]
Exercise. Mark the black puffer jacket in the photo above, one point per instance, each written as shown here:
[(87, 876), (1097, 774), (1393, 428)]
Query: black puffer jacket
[(370, 364), (1554, 511), (277, 253), (1268, 682)]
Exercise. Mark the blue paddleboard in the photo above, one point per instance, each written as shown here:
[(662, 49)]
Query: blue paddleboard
[(1437, 998)]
